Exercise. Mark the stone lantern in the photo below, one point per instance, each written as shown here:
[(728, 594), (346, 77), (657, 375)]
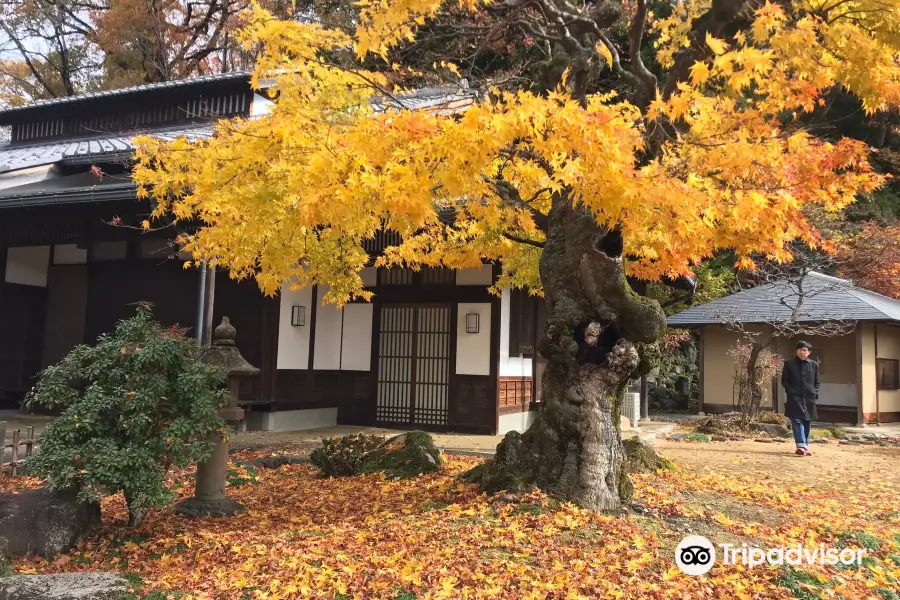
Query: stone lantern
[(209, 495)]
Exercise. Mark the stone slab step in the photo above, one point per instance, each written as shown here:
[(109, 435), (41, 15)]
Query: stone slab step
[(63, 586), (658, 428), (647, 437)]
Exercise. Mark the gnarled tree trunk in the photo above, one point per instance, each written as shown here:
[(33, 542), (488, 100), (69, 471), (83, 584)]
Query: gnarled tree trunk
[(595, 327)]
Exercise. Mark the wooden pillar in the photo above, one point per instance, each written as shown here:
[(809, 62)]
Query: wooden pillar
[(860, 415), (701, 372), (208, 306), (645, 398)]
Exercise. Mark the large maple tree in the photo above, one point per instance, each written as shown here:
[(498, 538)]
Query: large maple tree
[(709, 151)]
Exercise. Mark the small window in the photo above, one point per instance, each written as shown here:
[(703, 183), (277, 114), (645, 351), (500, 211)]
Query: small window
[(888, 374), (521, 323)]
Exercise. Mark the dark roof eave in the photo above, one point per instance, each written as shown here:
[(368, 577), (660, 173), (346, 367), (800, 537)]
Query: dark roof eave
[(122, 156), (697, 324), (7, 113), (106, 193)]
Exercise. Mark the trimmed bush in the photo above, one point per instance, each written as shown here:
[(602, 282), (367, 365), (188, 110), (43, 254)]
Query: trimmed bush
[(138, 402)]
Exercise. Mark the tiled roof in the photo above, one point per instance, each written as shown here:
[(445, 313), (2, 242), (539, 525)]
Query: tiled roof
[(13, 158), (825, 298), (164, 85)]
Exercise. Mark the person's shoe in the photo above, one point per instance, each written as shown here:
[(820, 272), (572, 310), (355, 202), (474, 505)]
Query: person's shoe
[(806, 452), (800, 452)]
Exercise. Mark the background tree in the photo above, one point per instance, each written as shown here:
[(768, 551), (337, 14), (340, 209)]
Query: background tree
[(44, 55), (52, 48), (871, 258), (560, 181), (133, 405)]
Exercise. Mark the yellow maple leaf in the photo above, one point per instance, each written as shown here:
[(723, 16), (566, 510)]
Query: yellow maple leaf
[(699, 72), (602, 49), (716, 45)]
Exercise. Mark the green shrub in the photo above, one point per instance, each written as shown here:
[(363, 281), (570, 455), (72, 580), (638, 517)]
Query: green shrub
[(241, 473), (802, 584), (133, 405), (850, 539), (816, 434), (837, 433), (698, 437), (342, 456)]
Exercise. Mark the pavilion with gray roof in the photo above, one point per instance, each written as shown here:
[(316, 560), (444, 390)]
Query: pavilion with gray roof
[(860, 370)]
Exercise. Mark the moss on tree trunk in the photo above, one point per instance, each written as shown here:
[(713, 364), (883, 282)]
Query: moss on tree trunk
[(596, 325)]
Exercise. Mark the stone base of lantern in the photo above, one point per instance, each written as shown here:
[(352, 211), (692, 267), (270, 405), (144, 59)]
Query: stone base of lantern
[(192, 507)]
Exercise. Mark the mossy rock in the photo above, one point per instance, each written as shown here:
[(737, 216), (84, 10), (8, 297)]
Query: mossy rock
[(775, 430), (711, 426), (642, 458), (509, 470), (774, 418), (404, 456)]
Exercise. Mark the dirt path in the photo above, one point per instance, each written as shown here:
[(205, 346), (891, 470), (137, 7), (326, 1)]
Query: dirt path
[(830, 464)]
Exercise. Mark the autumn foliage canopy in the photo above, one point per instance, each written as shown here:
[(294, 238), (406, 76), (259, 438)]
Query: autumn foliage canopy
[(717, 158)]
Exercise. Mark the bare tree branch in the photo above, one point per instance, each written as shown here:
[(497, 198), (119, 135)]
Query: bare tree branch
[(24, 52), (510, 194), (635, 38), (522, 240)]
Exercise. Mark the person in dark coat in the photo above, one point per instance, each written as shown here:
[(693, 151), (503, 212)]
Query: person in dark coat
[(800, 379)]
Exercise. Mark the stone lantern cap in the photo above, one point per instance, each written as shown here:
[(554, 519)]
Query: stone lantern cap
[(223, 353)]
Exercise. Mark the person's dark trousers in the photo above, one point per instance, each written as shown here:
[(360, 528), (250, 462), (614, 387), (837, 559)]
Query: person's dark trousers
[(801, 432)]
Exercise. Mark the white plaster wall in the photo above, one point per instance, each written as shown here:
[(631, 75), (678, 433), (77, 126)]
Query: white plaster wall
[(28, 265), (260, 105), (69, 254), (473, 350), (293, 342), (519, 421), (482, 275), (327, 353), (356, 339), (343, 337), (27, 176), (838, 394), (510, 366)]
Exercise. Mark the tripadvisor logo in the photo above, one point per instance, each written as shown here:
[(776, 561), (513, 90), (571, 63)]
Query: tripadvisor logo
[(695, 555)]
